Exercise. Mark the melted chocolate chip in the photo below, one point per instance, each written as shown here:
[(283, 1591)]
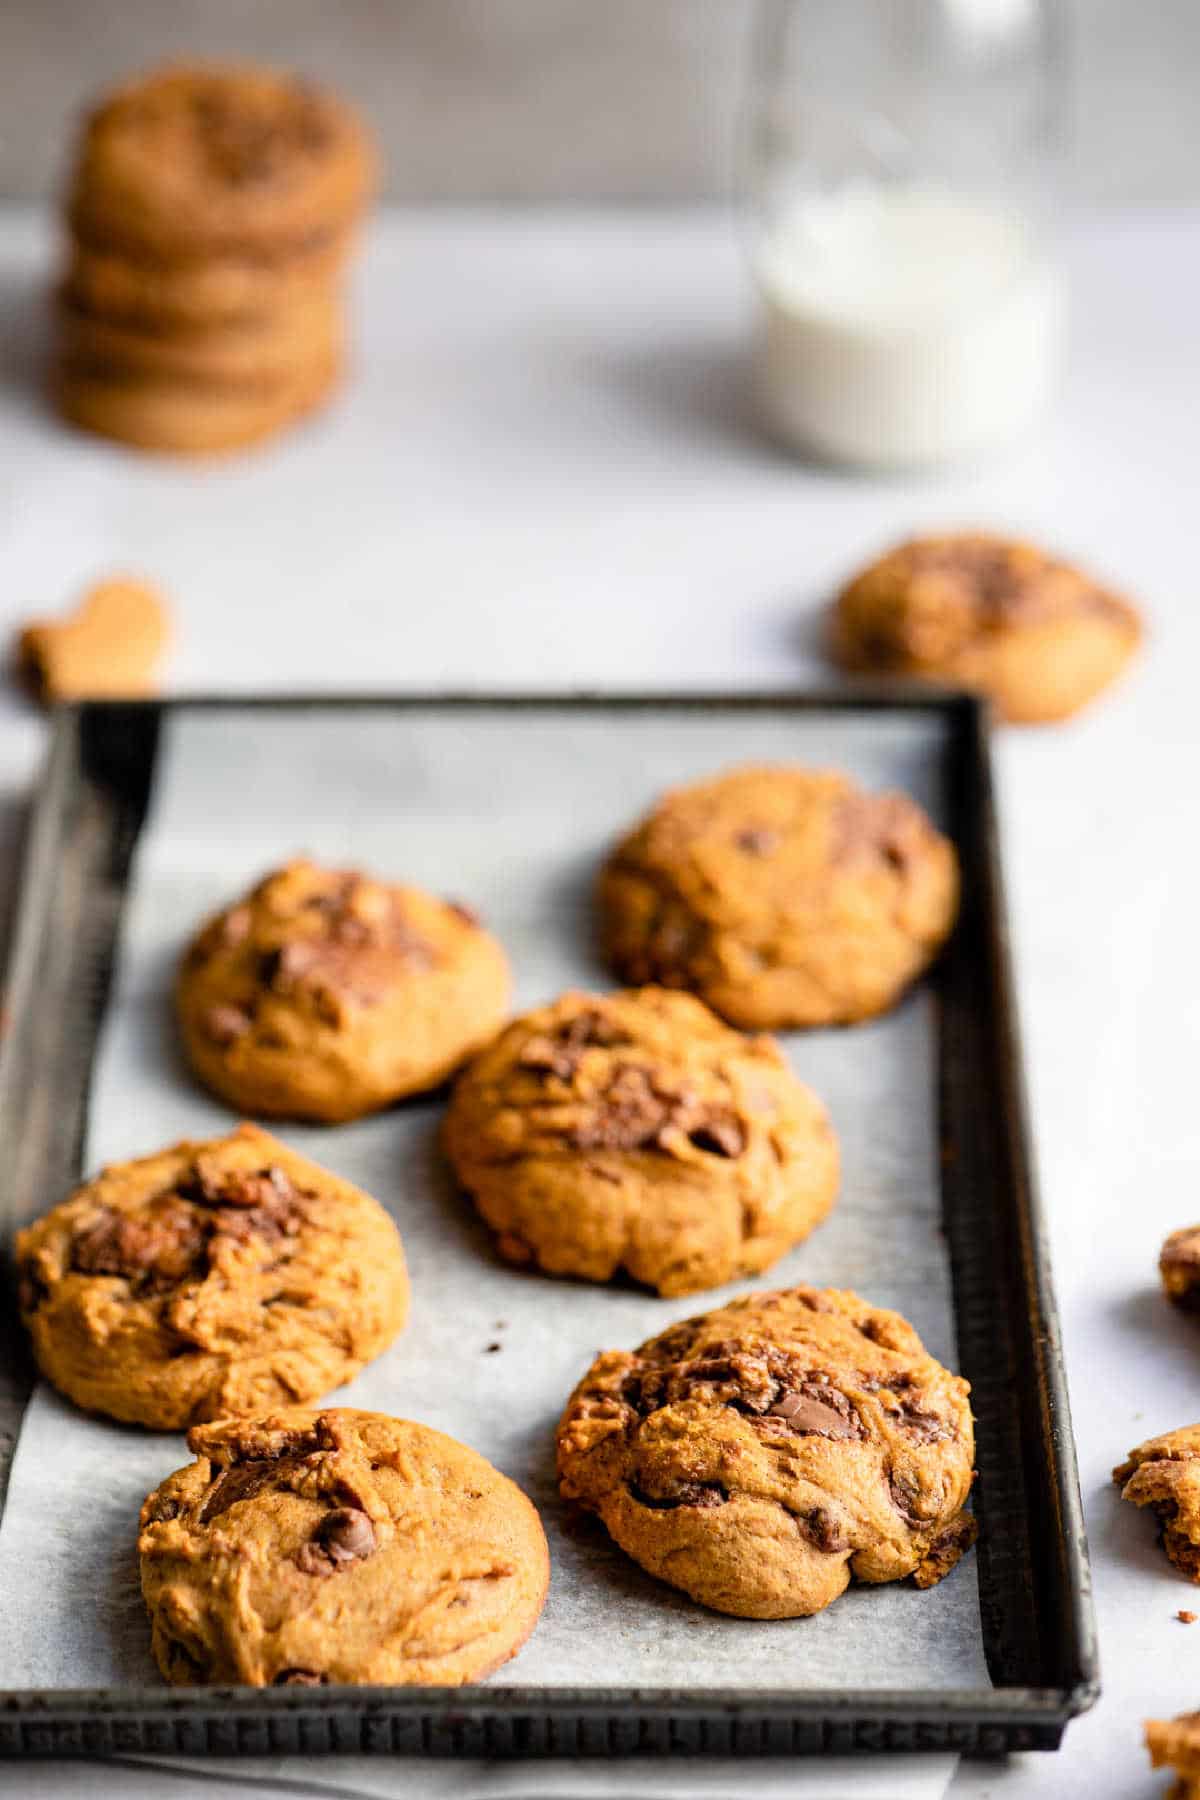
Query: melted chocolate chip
[(822, 1529), (561, 1051), (924, 1427), (688, 1493), (344, 1535), (757, 840), (817, 1410), (156, 1248), (242, 1481), (640, 1110)]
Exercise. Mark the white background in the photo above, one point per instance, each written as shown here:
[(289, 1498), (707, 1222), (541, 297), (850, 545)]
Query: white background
[(545, 475)]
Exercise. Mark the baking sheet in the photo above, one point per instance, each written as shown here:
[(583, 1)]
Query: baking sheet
[(510, 812)]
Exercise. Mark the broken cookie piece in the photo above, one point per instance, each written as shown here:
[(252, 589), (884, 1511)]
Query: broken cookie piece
[(108, 648), (1164, 1474), (636, 1132), (762, 1456)]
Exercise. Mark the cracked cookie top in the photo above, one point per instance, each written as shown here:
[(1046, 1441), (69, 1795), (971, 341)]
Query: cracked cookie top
[(760, 1455), (783, 896), (366, 1549), (324, 993), (210, 1278), (635, 1131), (994, 613)]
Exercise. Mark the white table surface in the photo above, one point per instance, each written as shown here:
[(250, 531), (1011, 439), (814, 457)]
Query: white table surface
[(545, 475)]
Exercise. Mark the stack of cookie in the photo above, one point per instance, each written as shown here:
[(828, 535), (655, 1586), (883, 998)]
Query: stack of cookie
[(210, 211)]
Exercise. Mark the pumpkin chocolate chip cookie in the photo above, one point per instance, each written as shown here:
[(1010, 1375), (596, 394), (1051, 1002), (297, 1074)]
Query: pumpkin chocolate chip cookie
[(1038, 635), (782, 896), (309, 1547), (198, 160), (635, 1131), (208, 1279), (760, 1456), (1164, 1474), (323, 994)]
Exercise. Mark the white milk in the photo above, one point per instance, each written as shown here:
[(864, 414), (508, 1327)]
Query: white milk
[(903, 325)]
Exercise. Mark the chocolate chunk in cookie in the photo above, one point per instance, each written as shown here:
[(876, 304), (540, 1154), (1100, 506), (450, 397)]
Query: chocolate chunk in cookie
[(762, 1455), (210, 1279), (367, 1549), (634, 1131)]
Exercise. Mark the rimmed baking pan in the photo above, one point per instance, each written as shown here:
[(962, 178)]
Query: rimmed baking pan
[(150, 814)]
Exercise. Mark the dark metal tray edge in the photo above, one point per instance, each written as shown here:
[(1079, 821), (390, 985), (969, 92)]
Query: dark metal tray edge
[(542, 1721)]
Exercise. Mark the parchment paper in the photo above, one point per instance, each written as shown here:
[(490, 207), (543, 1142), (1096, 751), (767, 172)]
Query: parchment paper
[(509, 812)]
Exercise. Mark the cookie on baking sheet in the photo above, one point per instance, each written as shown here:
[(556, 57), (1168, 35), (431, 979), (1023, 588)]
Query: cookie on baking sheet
[(108, 647), (783, 896), (1038, 635), (189, 418), (212, 291), (635, 1131), (340, 1546), (324, 994), (198, 160), (1164, 1474), (212, 1278), (1175, 1744), (762, 1455)]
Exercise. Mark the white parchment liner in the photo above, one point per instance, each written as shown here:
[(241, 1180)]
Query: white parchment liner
[(509, 812)]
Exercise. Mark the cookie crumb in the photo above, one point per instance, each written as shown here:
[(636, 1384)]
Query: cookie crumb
[(106, 649), (490, 1349), (1186, 1618)]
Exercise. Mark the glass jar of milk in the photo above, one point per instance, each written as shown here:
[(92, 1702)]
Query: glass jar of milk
[(900, 172)]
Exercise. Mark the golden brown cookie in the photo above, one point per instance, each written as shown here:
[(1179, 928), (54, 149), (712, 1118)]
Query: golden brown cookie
[(635, 1131), (1164, 1474), (338, 1546), (761, 1455), (204, 292), (1179, 1266), (203, 160), (324, 994), (1175, 1744), (108, 647), (211, 1278), (190, 418), (259, 353), (782, 896), (983, 612)]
